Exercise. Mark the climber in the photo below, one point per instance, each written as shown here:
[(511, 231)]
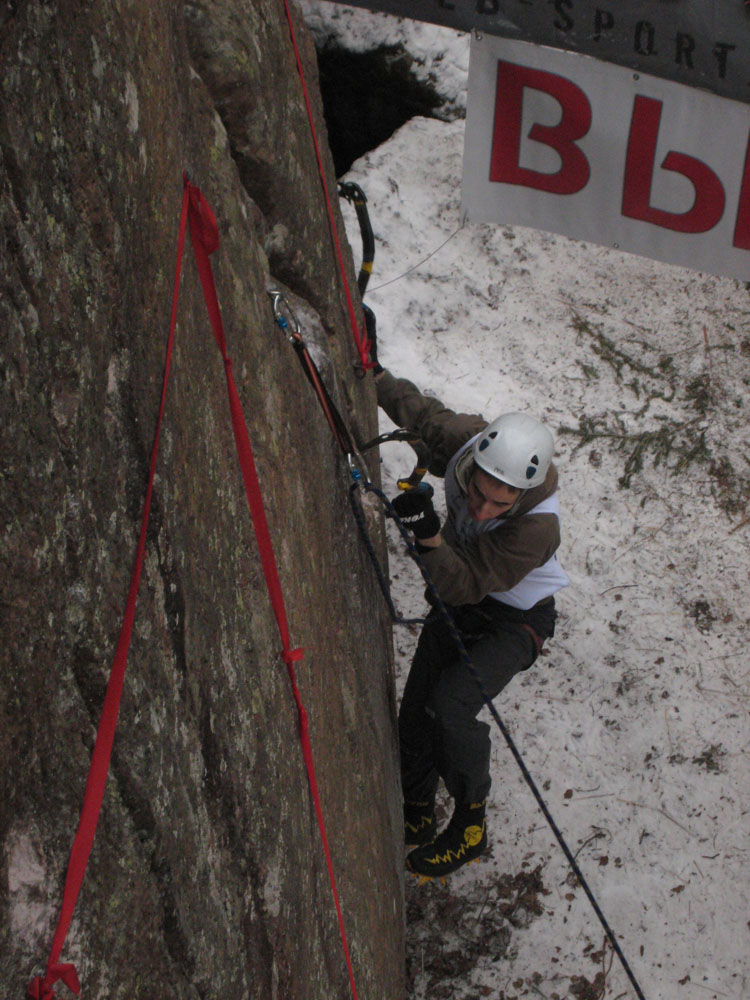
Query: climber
[(495, 567)]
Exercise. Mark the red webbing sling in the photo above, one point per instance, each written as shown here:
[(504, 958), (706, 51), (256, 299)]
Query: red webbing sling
[(204, 233), (205, 238), (40, 988)]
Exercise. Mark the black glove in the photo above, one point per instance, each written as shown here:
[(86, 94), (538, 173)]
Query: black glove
[(416, 511), (372, 336)]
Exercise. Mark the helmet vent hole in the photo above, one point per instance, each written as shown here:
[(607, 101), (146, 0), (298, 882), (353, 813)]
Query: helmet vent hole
[(530, 472), (534, 460), (484, 444)]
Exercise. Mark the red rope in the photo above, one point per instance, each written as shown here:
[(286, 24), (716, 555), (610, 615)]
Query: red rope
[(360, 338), (205, 237), (40, 988)]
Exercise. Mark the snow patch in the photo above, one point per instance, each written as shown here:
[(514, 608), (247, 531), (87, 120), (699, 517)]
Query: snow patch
[(30, 913), (636, 724)]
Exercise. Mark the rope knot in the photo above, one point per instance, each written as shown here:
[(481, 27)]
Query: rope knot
[(290, 656), (40, 988)]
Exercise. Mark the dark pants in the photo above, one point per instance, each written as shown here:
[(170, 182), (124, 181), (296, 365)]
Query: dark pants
[(439, 733)]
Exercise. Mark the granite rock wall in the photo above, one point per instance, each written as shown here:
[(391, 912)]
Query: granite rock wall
[(207, 876)]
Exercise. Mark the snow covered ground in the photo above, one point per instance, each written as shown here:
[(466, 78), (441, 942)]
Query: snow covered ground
[(635, 725)]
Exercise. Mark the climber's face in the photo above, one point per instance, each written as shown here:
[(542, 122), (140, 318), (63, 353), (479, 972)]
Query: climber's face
[(488, 497)]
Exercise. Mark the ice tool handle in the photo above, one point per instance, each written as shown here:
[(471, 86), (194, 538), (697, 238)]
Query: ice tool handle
[(424, 456)]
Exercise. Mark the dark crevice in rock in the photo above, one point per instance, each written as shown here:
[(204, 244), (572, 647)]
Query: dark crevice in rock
[(138, 806), (174, 601), (176, 943), (220, 798), (91, 683), (12, 229), (367, 96), (257, 932)]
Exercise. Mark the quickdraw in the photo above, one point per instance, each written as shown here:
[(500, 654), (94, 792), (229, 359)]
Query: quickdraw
[(288, 322)]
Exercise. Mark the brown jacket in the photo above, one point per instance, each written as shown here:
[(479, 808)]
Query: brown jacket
[(497, 559)]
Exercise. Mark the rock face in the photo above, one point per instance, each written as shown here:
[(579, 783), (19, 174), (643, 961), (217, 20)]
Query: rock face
[(207, 876)]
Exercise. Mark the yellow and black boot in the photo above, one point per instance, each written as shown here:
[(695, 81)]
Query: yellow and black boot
[(419, 822), (463, 840)]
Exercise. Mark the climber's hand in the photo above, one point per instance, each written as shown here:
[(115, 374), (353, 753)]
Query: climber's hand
[(416, 511)]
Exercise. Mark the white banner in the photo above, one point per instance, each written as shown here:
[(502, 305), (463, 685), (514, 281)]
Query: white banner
[(572, 145), (703, 43)]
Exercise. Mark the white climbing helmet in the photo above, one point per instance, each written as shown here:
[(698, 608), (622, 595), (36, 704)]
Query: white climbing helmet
[(517, 449)]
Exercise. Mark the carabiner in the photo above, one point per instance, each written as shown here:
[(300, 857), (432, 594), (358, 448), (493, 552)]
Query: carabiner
[(284, 314), (357, 469)]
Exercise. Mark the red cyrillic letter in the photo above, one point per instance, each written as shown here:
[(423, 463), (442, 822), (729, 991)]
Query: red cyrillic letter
[(708, 205), (574, 123), (742, 226)]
